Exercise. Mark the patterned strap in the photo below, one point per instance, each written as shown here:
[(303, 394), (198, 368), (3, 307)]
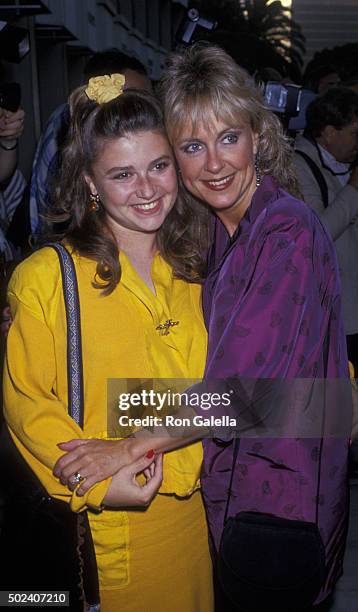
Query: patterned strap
[(74, 342), (88, 575)]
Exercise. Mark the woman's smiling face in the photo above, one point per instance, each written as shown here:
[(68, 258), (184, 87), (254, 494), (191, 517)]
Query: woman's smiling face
[(135, 178), (217, 164)]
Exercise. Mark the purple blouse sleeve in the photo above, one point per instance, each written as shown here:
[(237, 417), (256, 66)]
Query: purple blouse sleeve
[(276, 305)]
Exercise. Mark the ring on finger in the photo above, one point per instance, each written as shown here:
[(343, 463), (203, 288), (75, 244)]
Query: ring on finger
[(77, 478)]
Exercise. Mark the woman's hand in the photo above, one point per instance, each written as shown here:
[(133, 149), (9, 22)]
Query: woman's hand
[(124, 489), (95, 460)]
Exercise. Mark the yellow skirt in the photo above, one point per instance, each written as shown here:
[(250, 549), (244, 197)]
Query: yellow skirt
[(170, 566)]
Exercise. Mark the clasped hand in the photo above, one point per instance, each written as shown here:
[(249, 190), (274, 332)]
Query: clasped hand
[(95, 460)]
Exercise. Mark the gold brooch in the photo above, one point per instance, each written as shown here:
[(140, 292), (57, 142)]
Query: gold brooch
[(164, 328)]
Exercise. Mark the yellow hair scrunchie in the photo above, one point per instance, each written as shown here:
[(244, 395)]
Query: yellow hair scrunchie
[(105, 88)]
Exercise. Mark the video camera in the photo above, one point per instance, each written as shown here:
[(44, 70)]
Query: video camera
[(191, 26), (290, 101), (10, 96)]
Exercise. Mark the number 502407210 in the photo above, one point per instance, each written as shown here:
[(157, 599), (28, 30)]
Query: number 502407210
[(34, 598)]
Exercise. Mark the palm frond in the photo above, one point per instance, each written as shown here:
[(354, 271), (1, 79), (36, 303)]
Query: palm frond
[(266, 26)]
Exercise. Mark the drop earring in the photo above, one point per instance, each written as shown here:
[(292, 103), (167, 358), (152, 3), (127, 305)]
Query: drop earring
[(257, 169), (94, 202)]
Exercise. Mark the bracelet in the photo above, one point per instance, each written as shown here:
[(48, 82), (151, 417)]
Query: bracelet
[(12, 148)]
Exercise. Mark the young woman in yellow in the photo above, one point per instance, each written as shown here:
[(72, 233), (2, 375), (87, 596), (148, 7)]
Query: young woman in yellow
[(129, 239)]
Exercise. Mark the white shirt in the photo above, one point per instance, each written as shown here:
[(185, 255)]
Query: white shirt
[(337, 167)]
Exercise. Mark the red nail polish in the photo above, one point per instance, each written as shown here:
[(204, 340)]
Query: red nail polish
[(150, 454)]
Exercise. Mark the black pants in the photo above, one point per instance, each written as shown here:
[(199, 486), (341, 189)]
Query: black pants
[(223, 605)]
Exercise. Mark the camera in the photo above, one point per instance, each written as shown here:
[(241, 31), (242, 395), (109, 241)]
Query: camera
[(192, 22), (10, 96), (289, 100)]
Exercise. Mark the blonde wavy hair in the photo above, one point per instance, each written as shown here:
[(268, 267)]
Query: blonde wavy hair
[(202, 80)]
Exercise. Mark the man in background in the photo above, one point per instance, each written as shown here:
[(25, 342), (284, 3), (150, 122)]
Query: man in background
[(325, 162)]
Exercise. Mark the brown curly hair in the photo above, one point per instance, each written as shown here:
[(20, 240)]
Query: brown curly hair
[(88, 233)]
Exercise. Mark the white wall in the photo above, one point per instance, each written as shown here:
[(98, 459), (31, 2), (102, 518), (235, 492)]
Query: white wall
[(326, 23)]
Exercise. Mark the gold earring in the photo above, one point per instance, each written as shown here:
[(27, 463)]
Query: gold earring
[(94, 202)]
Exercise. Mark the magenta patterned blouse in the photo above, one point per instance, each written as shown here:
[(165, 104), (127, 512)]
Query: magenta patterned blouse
[(273, 310)]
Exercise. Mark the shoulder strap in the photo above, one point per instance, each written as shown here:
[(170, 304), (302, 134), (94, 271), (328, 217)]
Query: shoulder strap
[(317, 174), (88, 577), (74, 341)]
